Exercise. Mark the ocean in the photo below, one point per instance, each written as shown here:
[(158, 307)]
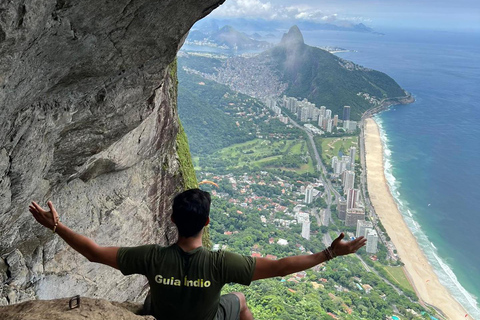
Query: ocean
[(432, 147)]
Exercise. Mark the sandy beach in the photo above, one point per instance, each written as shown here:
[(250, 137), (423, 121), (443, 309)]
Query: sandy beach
[(421, 273)]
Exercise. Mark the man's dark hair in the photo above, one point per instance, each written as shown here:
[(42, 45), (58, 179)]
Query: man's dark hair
[(191, 209)]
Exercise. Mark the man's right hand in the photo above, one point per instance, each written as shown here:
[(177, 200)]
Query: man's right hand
[(83, 245)]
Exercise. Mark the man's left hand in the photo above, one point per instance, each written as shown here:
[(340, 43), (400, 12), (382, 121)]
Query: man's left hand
[(341, 248), (46, 218)]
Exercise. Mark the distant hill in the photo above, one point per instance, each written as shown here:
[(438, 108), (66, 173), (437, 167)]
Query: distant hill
[(260, 25), (232, 38), (227, 37)]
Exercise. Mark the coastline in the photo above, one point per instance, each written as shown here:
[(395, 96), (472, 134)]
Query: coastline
[(423, 278)]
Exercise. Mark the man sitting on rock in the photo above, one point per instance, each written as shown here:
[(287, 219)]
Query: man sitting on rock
[(185, 278)]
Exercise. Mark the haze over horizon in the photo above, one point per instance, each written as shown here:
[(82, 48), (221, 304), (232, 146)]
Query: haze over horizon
[(441, 15)]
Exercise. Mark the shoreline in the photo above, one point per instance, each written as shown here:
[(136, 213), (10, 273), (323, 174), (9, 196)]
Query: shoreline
[(417, 267)]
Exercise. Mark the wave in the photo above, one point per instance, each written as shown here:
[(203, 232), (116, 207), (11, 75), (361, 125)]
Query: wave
[(409, 213), (444, 272)]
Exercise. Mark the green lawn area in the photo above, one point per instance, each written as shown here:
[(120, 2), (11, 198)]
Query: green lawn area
[(304, 168), (331, 147), (398, 274), (307, 167), (297, 148), (263, 153)]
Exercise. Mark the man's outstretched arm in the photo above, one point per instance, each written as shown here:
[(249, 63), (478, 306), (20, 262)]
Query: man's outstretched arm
[(85, 246), (267, 268)]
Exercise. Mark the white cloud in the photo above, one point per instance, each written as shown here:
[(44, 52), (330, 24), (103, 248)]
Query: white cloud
[(242, 8), (269, 11)]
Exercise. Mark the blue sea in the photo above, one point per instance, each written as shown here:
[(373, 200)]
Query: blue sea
[(432, 147)]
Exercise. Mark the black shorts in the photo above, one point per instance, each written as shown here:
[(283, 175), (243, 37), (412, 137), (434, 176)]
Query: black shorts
[(229, 308)]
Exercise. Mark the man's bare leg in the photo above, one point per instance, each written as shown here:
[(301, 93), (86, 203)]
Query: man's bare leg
[(245, 313)]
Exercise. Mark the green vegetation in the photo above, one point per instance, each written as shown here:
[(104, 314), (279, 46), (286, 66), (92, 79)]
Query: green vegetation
[(200, 63), (287, 155), (206, 111), (333, 146), (342, 286), (184, 158), (188, 173), (398, 274), (216, 117)]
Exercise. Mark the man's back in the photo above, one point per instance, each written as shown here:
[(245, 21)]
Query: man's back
[(185, 285)]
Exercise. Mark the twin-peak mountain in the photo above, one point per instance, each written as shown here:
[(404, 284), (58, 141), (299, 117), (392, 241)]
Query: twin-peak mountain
[(326, 79)]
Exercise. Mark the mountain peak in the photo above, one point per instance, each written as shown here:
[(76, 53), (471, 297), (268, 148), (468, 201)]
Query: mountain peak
[(292, 37), (227, 28)]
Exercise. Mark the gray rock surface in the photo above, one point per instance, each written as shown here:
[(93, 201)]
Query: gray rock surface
[(88, 121), (93, 309)]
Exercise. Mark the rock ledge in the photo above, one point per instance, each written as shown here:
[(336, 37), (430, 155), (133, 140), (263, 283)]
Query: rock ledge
[(59, 310)]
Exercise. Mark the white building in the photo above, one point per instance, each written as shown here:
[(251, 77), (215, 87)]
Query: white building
[(372, 241), (322, 111), (320, 121), (328, 114), (302, 217), (349, 125), (282, 242), (271, 103), (342, 167), (314, 113), (306, 230), (334, 163), (363, 227), (309, 195), (348, 180), (303, 114), (277, 110), (329, 125), (346, 161), (353, 195), (353, 152), (283, 119)]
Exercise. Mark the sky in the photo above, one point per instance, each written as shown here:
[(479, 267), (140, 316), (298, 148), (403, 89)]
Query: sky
[(442, 15)]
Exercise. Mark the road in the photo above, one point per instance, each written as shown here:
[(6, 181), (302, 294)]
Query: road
[(321, 168), (327, 240)]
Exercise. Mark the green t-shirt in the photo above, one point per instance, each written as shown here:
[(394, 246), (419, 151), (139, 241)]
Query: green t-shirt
[(185, 285)]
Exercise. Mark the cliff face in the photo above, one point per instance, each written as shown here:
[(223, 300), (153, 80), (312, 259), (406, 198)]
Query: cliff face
[(88, 121)]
